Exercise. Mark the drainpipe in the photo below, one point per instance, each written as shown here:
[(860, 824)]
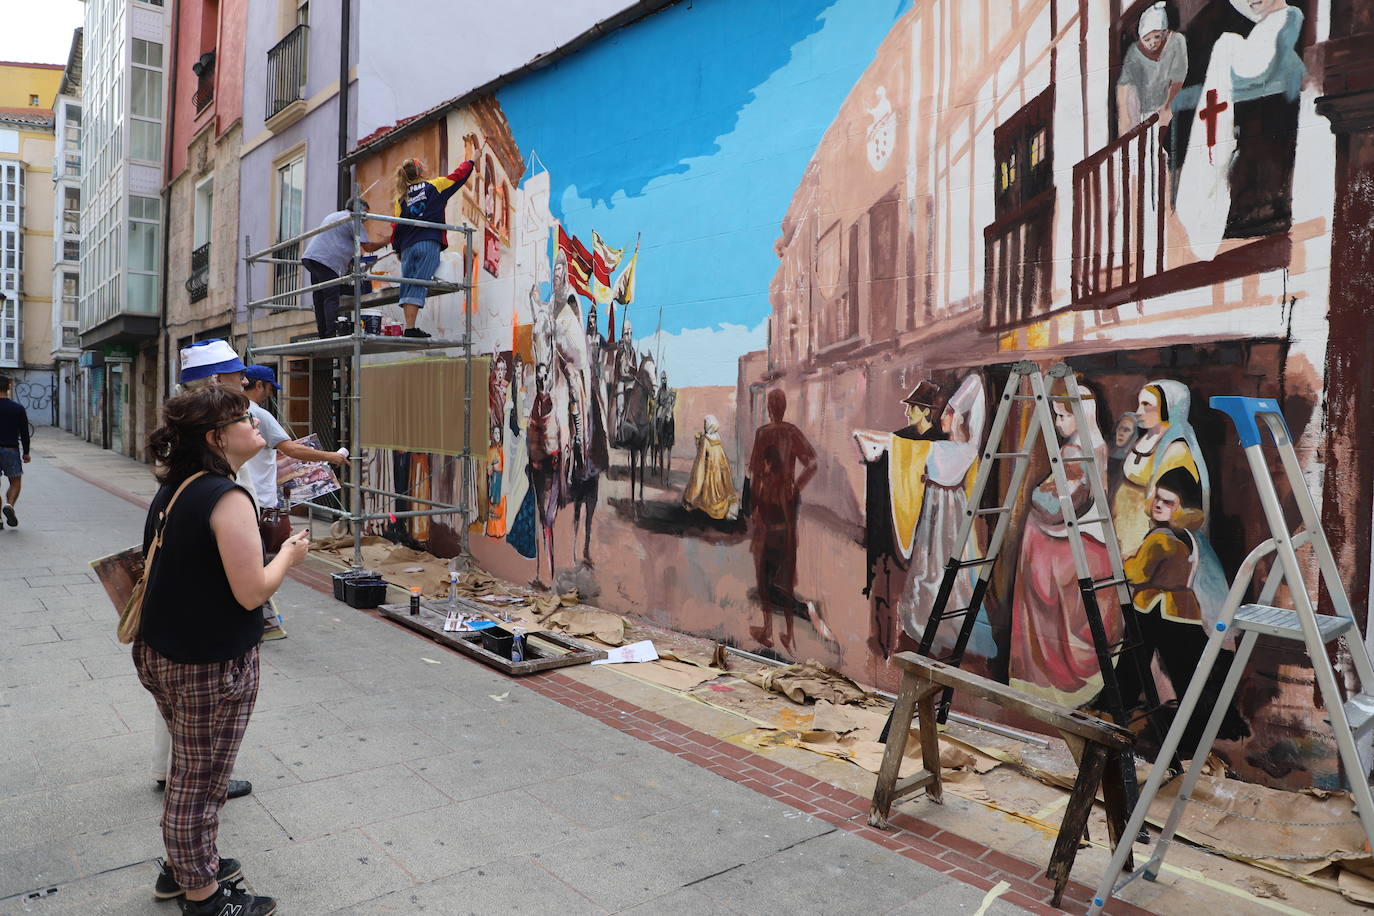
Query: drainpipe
[(345, 183)]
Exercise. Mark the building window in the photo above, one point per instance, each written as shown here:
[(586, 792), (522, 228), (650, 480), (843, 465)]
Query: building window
[(144, 216), (71, 211), (145, 102), (11, 192), (9, 330), (204, 210), (71, 295), (33, 101), (1018, 245), (289, 199)]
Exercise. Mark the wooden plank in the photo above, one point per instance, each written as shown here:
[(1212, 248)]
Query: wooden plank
[(430, 623), (1061, 717), (930, 745)]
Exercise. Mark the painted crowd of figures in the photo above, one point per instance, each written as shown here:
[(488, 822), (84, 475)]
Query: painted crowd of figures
[(555, 412), (919, 478)]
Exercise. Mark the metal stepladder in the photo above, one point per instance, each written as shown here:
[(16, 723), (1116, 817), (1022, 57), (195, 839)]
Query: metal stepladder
[(1042, 427), (1350, 721)]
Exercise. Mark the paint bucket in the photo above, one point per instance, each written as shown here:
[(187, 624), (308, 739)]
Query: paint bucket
[(372, 321), (392, 328)]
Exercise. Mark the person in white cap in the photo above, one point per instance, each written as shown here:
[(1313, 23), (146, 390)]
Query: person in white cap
[(211, 362), (259, 473), (1152, 72)]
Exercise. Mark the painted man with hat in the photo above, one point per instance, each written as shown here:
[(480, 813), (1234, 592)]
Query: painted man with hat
[(891, 502)]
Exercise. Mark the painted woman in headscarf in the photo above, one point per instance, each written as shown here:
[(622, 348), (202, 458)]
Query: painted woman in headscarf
[(1165, 441), (1052, 650), (944, 484), (1152, 72), (710, 488)]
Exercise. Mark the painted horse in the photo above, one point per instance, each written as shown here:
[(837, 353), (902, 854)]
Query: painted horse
[(635, 429)]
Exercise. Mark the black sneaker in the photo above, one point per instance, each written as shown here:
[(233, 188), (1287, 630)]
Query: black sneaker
[(13, 520), (166, 887), (230, 900), (415, 332)]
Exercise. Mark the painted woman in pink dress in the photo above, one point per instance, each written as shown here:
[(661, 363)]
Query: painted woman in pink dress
[(1052, 652)]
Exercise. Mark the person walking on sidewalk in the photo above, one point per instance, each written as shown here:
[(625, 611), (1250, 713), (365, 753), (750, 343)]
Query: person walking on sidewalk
[(197, 648), (259, 474), (14, 449), (421, 198), (326, 257)]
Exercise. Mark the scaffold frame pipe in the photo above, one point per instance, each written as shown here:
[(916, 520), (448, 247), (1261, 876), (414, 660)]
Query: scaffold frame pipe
[(350, 379)]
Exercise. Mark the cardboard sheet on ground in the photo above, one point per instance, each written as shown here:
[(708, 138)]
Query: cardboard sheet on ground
[(1238, 819)]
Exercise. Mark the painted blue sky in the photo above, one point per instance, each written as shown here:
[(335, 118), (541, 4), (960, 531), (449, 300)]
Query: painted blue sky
[(693, 128)]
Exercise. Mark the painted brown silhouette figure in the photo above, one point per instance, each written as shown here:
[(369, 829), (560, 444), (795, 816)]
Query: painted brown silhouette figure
[(775, 492)]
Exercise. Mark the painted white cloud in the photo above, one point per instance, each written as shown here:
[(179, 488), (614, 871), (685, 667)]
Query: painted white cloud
[(704, 356)]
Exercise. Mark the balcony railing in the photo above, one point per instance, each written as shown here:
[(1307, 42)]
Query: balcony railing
[(1120, 200), (286, 70), (205, 91), (1018, 264), (198, 284)]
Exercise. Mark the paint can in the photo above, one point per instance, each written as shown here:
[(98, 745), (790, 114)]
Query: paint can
[(372, 321)]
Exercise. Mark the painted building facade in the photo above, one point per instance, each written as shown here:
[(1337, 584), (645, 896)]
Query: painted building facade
[(205, 118), (26, 233), (837, 259)]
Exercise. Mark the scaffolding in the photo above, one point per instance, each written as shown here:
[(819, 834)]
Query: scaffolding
[(350, 349)]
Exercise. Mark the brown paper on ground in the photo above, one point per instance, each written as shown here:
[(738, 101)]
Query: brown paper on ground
[(811, 680), (868, 723), (1355, 887), (669, 673), (600, 625)]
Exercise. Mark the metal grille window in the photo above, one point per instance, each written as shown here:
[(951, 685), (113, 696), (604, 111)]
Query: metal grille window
[(286, 70)]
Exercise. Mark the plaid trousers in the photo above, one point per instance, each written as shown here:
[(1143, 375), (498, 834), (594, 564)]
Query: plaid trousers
[(206, 708)]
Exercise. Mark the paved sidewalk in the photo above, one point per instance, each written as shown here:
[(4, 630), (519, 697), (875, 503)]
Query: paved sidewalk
[(390, 775)]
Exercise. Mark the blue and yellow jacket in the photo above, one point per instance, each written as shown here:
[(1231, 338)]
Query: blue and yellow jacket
[(425, 200)]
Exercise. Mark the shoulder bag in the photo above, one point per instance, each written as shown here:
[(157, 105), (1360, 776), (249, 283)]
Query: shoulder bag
[(131, 616)]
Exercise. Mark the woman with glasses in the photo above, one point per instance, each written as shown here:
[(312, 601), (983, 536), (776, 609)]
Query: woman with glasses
[(197, 650)]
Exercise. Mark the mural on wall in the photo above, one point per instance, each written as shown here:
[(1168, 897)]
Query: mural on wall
[(879, 209)]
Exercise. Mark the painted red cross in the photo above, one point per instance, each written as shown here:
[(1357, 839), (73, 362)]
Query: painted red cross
[(1210, 113)]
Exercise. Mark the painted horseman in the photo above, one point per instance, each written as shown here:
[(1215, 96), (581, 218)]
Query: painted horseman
[(625, 368)]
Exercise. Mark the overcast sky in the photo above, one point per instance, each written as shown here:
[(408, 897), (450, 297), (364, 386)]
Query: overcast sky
[(39, 32)]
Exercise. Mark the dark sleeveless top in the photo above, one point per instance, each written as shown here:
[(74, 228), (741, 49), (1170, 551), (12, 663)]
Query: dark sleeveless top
[(190, 614)]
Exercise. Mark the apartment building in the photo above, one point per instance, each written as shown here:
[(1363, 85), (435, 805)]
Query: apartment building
[(123, 148), (66, 243), (26, 232)]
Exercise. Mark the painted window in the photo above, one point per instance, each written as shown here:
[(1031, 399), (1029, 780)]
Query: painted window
[(11, 193)]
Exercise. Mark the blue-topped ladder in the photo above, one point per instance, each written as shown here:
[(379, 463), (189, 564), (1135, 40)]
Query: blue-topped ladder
[(1351, 721)]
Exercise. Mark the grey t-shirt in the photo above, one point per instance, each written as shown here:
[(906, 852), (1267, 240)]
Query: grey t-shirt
[(1152, 78), (259, 473), (334, 247)]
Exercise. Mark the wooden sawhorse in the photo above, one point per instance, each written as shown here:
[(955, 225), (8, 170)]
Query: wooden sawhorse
[(1100, 748)]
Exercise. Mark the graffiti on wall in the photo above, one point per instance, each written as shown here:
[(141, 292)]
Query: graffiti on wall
[(881, 208), (36, 390)]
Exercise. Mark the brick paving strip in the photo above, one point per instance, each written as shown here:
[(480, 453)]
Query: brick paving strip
[(964, 860)]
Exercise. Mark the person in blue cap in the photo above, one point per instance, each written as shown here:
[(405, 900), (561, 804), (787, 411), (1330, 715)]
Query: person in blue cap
[(259, 473)]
